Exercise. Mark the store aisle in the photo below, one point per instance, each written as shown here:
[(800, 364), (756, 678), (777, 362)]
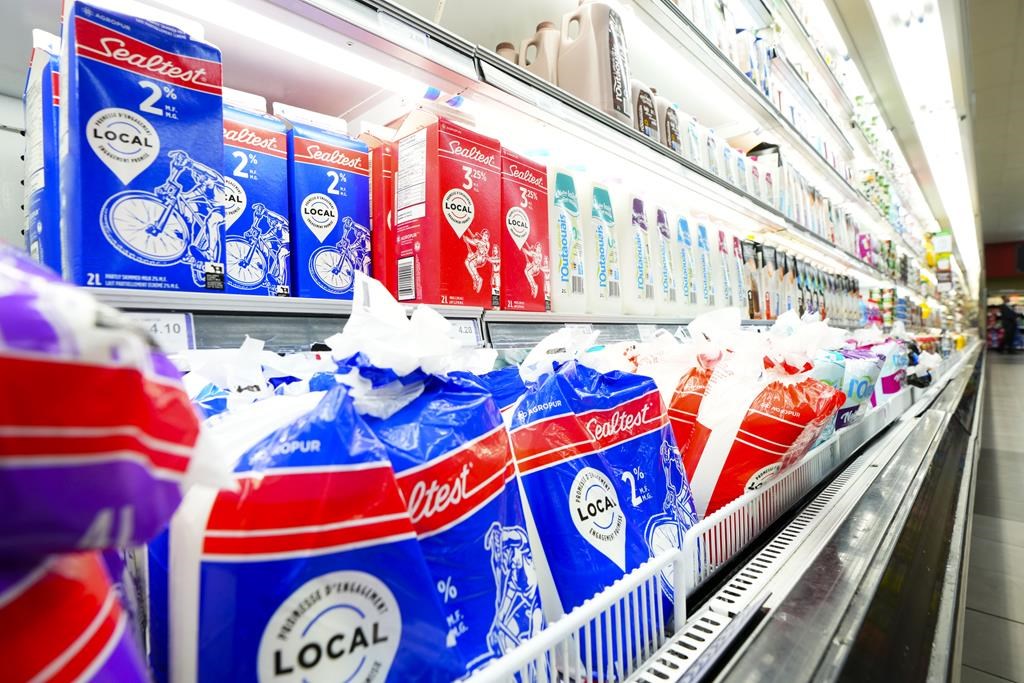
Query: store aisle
[(994, 628)]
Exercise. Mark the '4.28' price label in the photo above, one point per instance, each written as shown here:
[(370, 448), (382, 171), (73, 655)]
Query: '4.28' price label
[(172, 331)]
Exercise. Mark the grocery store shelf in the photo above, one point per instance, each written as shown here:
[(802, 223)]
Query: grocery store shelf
[(561, 109), (666, 17)]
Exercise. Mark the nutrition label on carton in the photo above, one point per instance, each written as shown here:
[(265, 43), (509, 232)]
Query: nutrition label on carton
[(411, 180)]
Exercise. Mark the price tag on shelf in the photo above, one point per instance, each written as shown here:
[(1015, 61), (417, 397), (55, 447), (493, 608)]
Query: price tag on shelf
[(403, 34), (586, 328), (172, 331), (467, 332)]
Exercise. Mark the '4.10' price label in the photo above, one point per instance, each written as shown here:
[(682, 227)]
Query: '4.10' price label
[(172, 331)]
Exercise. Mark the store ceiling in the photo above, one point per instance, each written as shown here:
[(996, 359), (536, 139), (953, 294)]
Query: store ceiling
[(996, 29)]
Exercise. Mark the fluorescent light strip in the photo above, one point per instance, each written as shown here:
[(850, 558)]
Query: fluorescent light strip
[(917, 50), (261, 28)]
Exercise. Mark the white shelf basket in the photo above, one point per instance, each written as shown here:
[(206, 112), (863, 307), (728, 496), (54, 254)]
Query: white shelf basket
[(586, 645)]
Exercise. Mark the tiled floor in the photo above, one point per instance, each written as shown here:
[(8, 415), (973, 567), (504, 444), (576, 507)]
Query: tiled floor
[(994, 628)]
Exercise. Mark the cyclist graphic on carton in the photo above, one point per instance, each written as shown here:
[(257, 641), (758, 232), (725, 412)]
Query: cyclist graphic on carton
[(173, 224), (333, 267), (478, 256), (260, 255)]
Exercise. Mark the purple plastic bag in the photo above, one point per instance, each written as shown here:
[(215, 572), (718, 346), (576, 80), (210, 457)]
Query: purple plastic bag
[(96, 432)]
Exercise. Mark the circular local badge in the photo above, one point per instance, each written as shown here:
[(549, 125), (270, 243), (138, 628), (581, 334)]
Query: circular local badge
[(518, 225), (320, 214), (123, 140), (235, 200), (341, 626), (595, 509), (457, 207)]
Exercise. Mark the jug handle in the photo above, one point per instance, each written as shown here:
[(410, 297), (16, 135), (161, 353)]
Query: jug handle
[(567, 19), (524, 47)]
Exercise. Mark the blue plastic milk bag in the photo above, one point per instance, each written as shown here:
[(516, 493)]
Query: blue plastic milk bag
[(602, 477)]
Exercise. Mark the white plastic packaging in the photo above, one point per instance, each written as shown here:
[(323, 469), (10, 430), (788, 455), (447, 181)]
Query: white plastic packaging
[(635, 238), (567, 244), (603, 253), (666, 285)]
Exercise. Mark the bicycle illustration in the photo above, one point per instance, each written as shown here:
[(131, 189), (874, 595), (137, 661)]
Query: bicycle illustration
[(333, 268), (259, 256), (665, 530), (172, 224), (517, 611)]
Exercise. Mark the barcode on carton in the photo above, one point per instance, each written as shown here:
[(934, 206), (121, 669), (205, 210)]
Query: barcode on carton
[(613, 290), (576, 284), (406, 278)]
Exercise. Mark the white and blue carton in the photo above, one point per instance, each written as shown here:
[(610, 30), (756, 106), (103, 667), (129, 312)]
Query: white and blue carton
[(257, 242), (329, 197), (42, 165), (141, 153)]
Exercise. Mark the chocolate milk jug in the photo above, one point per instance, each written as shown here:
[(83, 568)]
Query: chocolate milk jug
[(539, 54), (593, 60), (645, 112)]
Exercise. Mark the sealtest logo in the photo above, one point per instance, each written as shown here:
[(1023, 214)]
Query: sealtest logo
[(429, 499), (525, 175), (597, 515), (620, 421), (334, 627), (117, 50), (473, 153), (251, 138), (336, 157)]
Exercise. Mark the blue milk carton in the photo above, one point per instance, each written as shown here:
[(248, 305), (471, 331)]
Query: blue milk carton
[(329, 196), (141, 152), (42, 166), (257, 244)]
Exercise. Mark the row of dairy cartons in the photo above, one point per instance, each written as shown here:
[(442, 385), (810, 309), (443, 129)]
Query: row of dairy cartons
[(151, 175), (615, 250)]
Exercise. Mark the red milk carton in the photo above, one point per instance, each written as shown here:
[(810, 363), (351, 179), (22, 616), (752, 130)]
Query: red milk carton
[(447, 213), (382, 203), (524, 241)]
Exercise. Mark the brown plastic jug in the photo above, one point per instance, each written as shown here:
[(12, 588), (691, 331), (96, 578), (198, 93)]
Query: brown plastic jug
[(507, 51), (593, 60), (539, 55)]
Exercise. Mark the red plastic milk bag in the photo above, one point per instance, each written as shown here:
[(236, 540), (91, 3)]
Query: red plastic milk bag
[(750, 421), (96, 432), (62, 621)]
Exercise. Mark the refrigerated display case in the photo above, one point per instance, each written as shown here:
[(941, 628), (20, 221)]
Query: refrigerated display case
[(850, 564)]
